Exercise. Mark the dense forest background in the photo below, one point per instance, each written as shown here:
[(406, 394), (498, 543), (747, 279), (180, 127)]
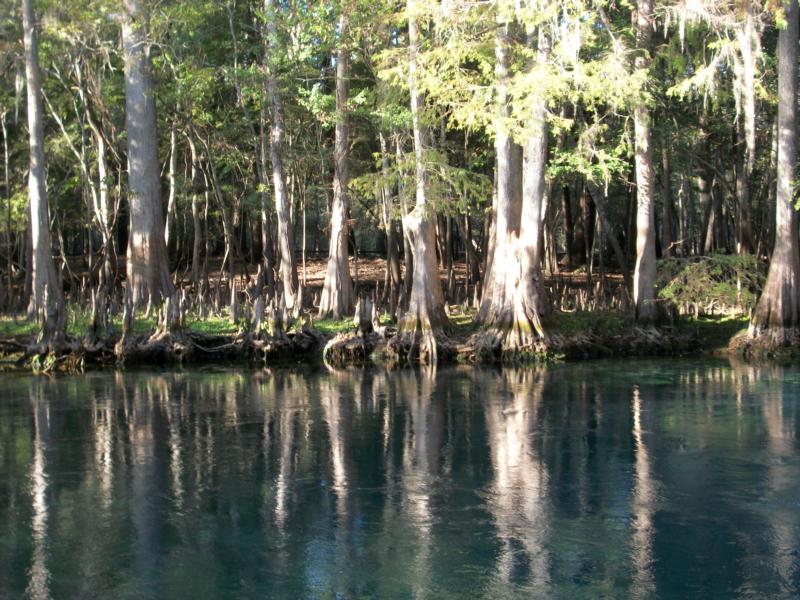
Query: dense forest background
[(252, 157)]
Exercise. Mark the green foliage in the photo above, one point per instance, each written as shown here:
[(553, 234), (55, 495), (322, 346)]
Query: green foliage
[(722, 282)]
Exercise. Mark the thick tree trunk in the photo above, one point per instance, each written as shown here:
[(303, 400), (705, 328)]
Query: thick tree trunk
[(513, 297), (425, 316), (778, 309), (337, 292), (148, 267), (644, 275), (288, 261), (47, 297)]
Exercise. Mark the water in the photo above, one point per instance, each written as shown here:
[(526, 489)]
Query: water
[(601, 480)]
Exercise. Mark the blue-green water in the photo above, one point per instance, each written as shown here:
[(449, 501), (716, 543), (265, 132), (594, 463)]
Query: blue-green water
[(601, 480)]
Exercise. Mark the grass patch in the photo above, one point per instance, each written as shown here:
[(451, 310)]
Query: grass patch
[(462, 324), (211, 325), (331, 326), (714, 332), (574, 323), (14, 326)]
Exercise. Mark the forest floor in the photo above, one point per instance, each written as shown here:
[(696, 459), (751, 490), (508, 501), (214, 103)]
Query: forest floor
[(580, 329)]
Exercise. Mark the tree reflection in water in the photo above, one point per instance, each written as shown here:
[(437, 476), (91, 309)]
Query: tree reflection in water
[(39, 574), (564, 481), (519, 489)]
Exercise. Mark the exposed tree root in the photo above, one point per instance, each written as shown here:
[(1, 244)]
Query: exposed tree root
[(350, 349), (164, 348), (511, 317), (487, 346), (772, 343), (358, 348), (420, 346)]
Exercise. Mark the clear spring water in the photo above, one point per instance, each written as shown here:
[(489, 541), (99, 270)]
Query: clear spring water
[(632, 479)]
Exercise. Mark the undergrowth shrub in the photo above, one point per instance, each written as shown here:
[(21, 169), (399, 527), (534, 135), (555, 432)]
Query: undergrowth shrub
[(717, 284)]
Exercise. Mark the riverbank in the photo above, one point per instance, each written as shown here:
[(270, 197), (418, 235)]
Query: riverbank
[(571, 336)]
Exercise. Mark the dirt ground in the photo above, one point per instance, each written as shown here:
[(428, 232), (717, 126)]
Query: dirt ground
[(366, 271)]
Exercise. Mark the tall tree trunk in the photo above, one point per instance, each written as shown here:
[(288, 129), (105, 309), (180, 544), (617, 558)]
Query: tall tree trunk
[(644, 275), (104, 216), (748, 39), (148, 268), (470, 252), (337, 292), (531, 299), (582, 230), (599, 197), (744, 228), (47, 297), (513, 297), (768, 236), (778, 309), (259, 140), (505, 214), (267, 243), (704, 193), (173, 176), (393, 279), (588, 218), (231, 248), (426, 315), (102, 206), (666, 201), (7, 186), (288, 262), (569, 234), (408, 256), (197, 225)]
